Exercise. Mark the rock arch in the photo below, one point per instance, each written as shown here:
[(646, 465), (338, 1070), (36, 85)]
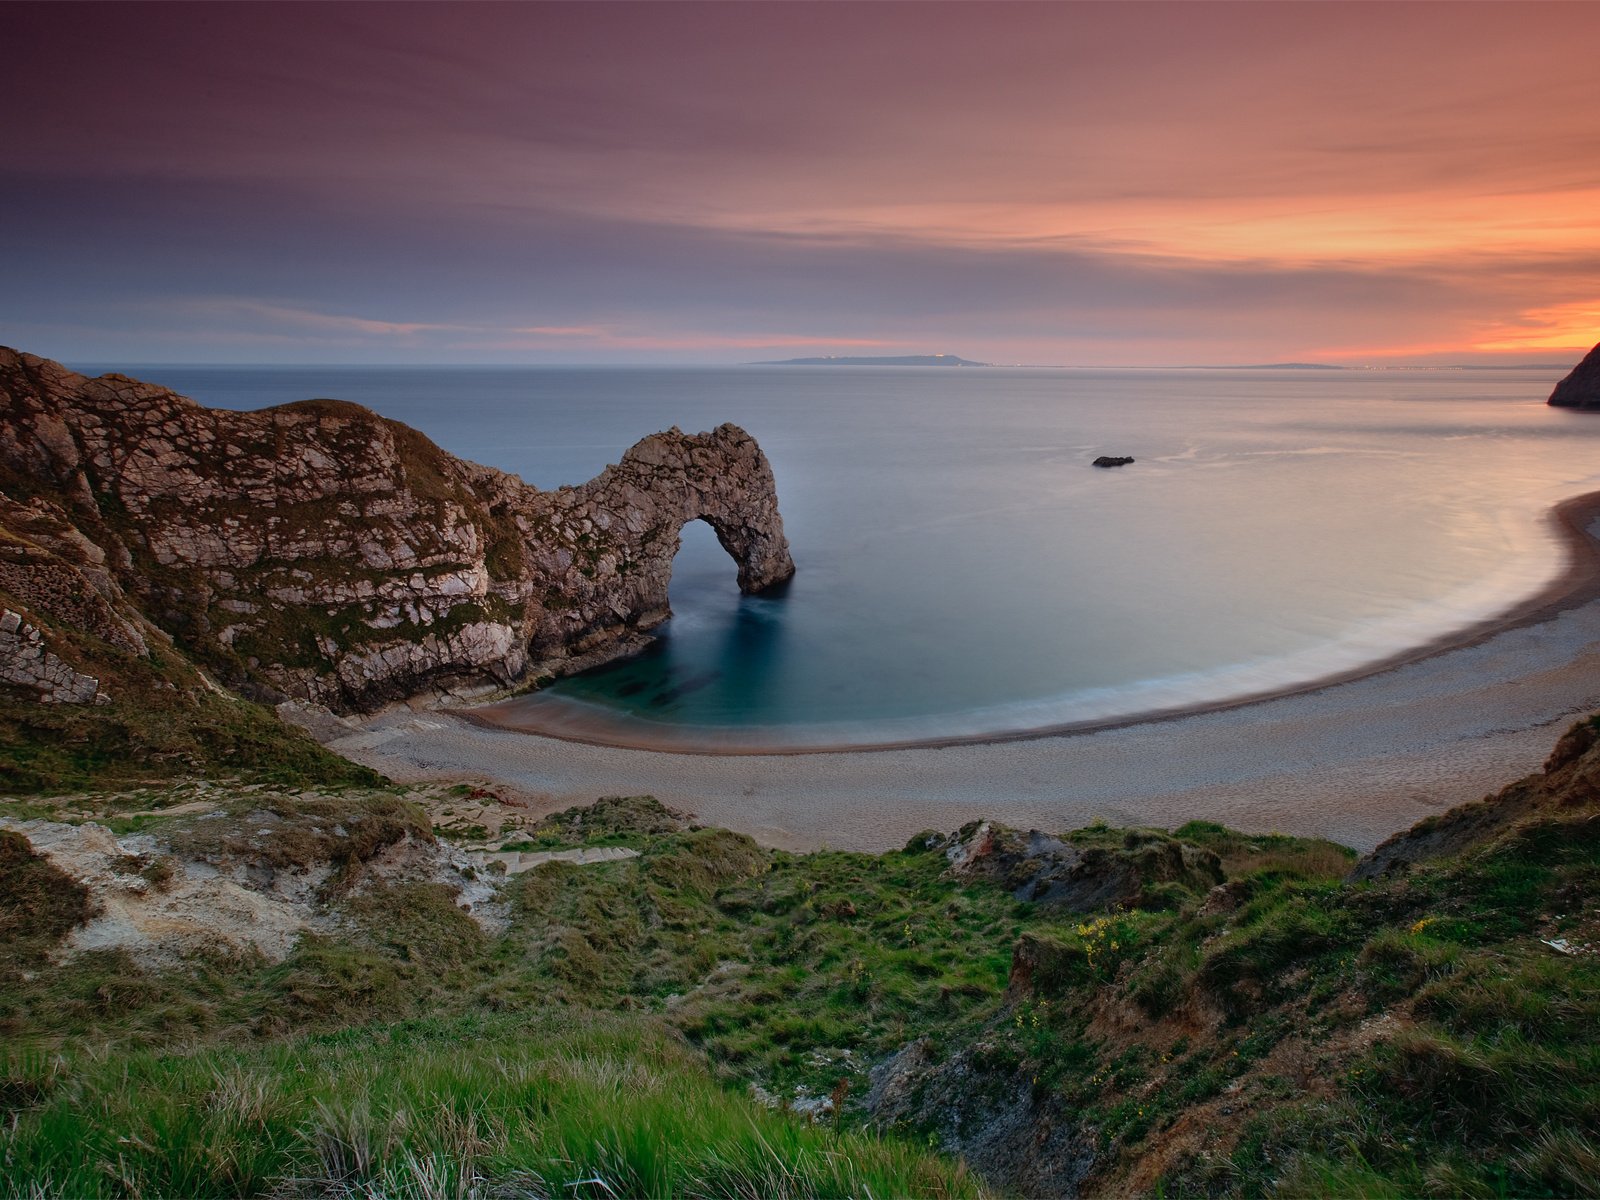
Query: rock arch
[(319, 550), (625, 526)]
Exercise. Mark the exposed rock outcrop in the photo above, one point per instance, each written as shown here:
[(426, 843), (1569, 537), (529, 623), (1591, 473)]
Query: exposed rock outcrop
[(26, 664), (319, 551), (1581, 387), (1016, 1137), (249, 874), (1566, 790), (1111, 460), (1085, 872)]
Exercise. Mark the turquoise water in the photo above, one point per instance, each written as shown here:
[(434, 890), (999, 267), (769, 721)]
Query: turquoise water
[(961, 567)]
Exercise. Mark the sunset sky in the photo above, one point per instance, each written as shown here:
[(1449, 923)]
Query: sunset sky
[(1139, 184)]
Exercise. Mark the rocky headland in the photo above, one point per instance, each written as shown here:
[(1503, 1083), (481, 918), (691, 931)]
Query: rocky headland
[(1581, 387), (319, 551)]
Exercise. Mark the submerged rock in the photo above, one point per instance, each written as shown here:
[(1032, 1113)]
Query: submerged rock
[(319, 551), (1581, 387)]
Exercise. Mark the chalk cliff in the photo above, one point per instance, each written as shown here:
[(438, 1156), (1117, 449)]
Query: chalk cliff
[(320, 551), (1581, 387)]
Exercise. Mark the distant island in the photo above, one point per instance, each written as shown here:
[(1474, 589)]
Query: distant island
[(892, 360)]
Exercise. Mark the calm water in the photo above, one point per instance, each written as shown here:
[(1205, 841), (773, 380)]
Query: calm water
[(962, 568)]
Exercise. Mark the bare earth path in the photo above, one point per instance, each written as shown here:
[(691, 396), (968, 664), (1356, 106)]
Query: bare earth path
[(1354, 761)]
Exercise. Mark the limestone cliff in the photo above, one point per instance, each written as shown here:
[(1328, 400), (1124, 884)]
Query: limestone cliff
[(1581, 387), (321, 551)]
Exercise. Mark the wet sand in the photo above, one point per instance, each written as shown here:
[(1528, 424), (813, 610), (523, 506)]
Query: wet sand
[(1353, 758)]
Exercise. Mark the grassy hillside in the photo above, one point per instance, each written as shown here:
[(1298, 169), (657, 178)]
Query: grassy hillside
[(154, 735), (1111, 1012), (554, 1104)]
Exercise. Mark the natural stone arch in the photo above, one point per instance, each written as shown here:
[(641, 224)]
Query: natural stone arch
[(628, 523), (319, 550)]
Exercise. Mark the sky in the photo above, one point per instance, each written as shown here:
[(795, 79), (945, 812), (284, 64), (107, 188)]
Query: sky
[(1078, 184)]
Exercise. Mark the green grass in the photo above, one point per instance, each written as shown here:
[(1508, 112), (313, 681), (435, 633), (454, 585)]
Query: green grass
[(150, 734), (1252, 1006), (1245, 854), (570, 1104)]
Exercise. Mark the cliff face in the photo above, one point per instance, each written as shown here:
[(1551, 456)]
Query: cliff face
[(1581, 388), (318, 550)]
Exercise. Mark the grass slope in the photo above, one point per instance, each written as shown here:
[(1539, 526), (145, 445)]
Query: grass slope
[(560, 1104), (1432, 1031), (157, 736)]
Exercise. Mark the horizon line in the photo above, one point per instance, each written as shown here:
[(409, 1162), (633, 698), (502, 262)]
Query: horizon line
[(477, 365)]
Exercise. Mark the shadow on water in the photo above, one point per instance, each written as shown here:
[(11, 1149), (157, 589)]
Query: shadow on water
[(718, 660)]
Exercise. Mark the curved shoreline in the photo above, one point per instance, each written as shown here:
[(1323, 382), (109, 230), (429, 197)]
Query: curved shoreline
[(1577, 584), (1352, 760)]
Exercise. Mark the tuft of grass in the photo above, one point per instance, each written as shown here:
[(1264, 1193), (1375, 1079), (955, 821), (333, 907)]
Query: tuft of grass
[(634, 821), (565, 1105), (1396, 962), (156, 734), (1277, 932), (39, 905), (1245, 854)]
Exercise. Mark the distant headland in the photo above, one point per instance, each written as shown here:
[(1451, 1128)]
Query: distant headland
[(1581, 388), (892, 360)]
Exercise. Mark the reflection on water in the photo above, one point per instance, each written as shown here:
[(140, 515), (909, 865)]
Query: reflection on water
[(719, 656)]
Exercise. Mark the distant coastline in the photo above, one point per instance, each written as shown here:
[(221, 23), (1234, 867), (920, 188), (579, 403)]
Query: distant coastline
[(891, 360), (1283, 366)]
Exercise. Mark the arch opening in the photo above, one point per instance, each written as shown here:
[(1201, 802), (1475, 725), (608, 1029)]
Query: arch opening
[(704, 573)]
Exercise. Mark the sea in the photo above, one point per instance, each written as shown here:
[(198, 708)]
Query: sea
[(963, 569)]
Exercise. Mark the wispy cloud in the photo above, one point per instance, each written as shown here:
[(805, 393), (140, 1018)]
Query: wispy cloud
[(1098, 182), (615, 339), (333, 323), (563, 331), (209, 318), (1573, 326)]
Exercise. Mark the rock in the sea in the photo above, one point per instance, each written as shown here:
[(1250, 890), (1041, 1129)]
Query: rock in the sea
[(320, 551), (1581, 388), (1107, 460)]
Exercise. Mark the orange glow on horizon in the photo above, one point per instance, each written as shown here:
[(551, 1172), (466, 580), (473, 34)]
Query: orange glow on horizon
[(1291, 230), (1558, 327)]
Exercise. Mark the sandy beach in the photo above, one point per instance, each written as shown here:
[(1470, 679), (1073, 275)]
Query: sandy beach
[(1352, 759)]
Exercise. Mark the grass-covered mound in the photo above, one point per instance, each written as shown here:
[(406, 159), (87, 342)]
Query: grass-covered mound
[(1294, 1034)]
